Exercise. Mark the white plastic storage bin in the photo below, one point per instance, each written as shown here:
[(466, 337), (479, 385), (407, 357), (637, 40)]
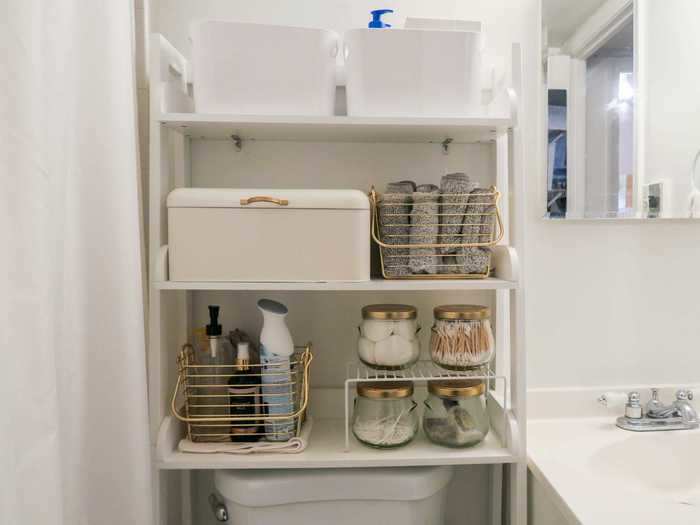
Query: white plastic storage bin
[(260, 69), (407, 495), (268, 235), (412, 72)]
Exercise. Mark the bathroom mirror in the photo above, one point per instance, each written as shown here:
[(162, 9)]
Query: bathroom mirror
[(622, 125)]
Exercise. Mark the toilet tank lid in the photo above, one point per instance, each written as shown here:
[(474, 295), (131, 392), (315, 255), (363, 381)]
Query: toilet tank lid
[(262, 488)]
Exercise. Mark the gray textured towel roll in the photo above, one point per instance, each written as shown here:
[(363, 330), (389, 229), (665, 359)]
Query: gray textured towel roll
[(448, 264), (455, 183), (394, 225), (424, 229), (402, 184), (478, 228)]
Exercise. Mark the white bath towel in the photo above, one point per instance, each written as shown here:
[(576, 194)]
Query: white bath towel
[(293, 446)]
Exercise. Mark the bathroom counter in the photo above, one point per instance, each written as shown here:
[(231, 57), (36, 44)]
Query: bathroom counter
[(598, 474)]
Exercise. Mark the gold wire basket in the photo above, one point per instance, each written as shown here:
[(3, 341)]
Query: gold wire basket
[(202, 393), (479, 226)]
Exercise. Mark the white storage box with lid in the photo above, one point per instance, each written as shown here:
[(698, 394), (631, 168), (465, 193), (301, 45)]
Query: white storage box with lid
[(406, 496), (413, 72), (258, 69), (268, 235)]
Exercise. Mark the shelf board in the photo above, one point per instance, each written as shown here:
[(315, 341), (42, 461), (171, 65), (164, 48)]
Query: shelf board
[(338, 128), (374, 285), (326, 450)]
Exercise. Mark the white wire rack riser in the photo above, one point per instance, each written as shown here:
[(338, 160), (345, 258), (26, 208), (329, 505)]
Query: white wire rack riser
[(422, 372)]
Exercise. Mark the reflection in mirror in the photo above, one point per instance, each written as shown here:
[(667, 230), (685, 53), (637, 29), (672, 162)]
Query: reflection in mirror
[(621, 87), (556, 153), (609, 107)]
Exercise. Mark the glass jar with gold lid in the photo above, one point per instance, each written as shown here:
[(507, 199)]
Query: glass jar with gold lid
[(461, 337), (455, 412), (388, 336), (385, 414)]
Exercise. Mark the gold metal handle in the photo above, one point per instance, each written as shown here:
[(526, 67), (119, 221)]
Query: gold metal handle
[(264, 198)]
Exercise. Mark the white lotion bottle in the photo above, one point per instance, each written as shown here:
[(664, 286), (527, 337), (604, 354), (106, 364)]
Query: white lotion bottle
[(275, 336), (276, 347)]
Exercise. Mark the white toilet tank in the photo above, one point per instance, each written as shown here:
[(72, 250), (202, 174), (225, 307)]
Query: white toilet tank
[(407, 495)]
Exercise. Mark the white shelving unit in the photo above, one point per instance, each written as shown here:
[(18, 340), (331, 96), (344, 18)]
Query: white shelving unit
[(172, 129)]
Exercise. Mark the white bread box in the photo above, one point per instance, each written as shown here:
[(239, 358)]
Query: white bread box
[(268, 235)]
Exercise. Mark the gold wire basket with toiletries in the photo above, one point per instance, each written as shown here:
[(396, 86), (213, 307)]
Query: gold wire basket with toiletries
[(271, 398), (445, 236)]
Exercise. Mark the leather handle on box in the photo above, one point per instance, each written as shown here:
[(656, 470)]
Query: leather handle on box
[(264, 198)]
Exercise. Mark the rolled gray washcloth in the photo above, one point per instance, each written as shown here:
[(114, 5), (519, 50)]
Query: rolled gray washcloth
[(448, 264), (477, 259), (457, 183), (402, 184), (424, 229), (396, 200)]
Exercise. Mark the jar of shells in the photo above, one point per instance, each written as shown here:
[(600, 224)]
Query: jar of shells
[(461, 337)]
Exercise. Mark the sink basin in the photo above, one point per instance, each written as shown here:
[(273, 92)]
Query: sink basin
[(660, 461), (604, 475)]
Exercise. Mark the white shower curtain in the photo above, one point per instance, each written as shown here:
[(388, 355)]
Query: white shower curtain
[(74, 445)]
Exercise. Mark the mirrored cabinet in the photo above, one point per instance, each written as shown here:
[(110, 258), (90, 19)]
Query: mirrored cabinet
[(622, 136)]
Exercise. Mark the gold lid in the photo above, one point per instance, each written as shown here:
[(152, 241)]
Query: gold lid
[(385, 389), (468, 312), (389, 311), (457, 387)]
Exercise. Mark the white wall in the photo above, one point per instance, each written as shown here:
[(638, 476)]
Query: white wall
[(613, 303), (669, 92), (561, 17)]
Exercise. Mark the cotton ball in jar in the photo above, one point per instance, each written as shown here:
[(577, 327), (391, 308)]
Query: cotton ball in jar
[(406, 328), (366, 350), (375, 330), (393, 351)]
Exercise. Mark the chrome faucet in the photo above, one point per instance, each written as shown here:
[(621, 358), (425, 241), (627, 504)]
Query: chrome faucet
[(684, 408), (679, 415)]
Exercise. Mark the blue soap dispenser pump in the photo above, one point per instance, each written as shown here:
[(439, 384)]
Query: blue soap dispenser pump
[(377, 22)]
